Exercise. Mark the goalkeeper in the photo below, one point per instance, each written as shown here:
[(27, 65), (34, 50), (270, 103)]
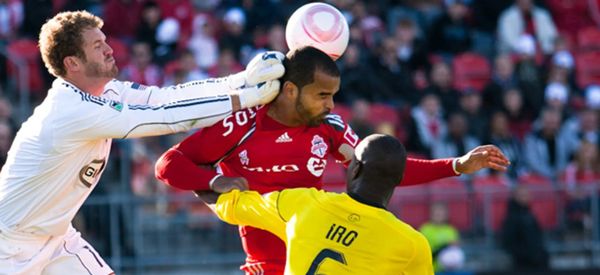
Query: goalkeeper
[(60, 152)]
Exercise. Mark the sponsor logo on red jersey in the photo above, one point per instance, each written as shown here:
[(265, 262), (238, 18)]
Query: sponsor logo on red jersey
[(316, 166)]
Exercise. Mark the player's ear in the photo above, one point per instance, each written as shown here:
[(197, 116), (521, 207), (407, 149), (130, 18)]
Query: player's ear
[(356, 169), (71, 63), (289, 89)]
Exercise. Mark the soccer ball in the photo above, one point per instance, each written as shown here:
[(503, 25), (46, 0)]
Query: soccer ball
[(319, 25)]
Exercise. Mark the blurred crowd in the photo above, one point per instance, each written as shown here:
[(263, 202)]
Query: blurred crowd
[(442, 75)]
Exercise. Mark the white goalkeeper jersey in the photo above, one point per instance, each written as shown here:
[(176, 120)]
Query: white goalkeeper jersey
[(60, 152)]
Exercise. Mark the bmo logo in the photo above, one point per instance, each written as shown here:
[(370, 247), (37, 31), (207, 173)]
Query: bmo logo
[(316, 166), (289, 168)]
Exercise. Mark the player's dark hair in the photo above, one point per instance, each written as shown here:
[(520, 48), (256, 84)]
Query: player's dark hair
[(300, 66), (383, 160)]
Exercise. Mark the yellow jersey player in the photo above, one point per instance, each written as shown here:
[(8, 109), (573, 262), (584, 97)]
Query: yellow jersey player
[(332, 233)]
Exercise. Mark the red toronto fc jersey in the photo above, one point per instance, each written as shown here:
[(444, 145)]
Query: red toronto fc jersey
[(272, 157)]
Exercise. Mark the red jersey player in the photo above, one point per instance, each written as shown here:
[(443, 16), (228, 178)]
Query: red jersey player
[(285, 144)]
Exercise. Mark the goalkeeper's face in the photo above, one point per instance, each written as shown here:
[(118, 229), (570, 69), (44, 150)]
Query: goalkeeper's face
[(315, 100), (99, 61)]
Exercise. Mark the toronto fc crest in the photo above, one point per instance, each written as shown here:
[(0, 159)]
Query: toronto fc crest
[(319, 147)]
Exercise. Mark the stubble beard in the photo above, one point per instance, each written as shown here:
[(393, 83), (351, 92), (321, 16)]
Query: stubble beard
[(94, 69)]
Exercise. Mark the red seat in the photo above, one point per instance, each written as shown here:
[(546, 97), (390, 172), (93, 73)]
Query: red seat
[(411, 204), (471, 71), (534, 179), (544, 203), (120, 51), (454, 194), (588, 39), (492, 194), (26, 51), (383, 113), (587, 65), (344, 111)]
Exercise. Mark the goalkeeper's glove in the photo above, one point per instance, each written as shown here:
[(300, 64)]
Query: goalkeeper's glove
[(260, 94), (263, 67)]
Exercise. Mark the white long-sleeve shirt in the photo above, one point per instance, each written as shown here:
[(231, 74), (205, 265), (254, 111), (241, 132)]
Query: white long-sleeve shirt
[(60, 152)]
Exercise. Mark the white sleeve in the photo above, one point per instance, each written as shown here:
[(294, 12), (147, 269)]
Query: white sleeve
[(134, 93), (95, 117)]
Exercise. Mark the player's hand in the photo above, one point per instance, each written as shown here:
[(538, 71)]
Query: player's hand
[(260, 94), (262, 68), (224, 184), (486, 156)]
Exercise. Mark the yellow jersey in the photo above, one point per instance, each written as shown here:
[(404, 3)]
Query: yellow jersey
[(330, 233)]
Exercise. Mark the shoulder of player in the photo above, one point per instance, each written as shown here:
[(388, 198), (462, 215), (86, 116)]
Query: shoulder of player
[(68, 92), (237, 124), (301, 193), (335, 121)]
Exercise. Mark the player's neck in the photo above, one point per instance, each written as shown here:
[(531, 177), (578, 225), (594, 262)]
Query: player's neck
[(368, 199), (283, 114), (91, 86)]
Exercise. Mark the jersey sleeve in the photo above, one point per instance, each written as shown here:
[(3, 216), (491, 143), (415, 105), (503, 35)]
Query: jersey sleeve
[(135, 93), (96, 117), (252, 209), (187, 165), (289, 201), (417, 171)]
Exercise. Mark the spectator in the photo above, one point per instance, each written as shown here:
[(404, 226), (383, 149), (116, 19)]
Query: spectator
[(556, 96), (11, 17), (186, 69), (6, 114), (471, 107), (427, 125), (522, 236), (360, 119), (503, 78), (582, 172), (276, 38), (180, 10), (451, 33), (499, 134), (561, 70), (440, 79), (440, 234), (397, 82), (371, 26), (519, 117), (358, 82), (234, 37), (546, 148), (141, 69), (203, 43), (410, 50), (528, 74), (6, 138), (150, 19), (585, 167), (582, 128), (457, 140), (592, 97), (487, 12), (122, 18), (35, 13), (168, 34), (525, 18), (226, 65)]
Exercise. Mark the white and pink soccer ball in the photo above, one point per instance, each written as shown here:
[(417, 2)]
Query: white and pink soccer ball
[(318, 25)]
